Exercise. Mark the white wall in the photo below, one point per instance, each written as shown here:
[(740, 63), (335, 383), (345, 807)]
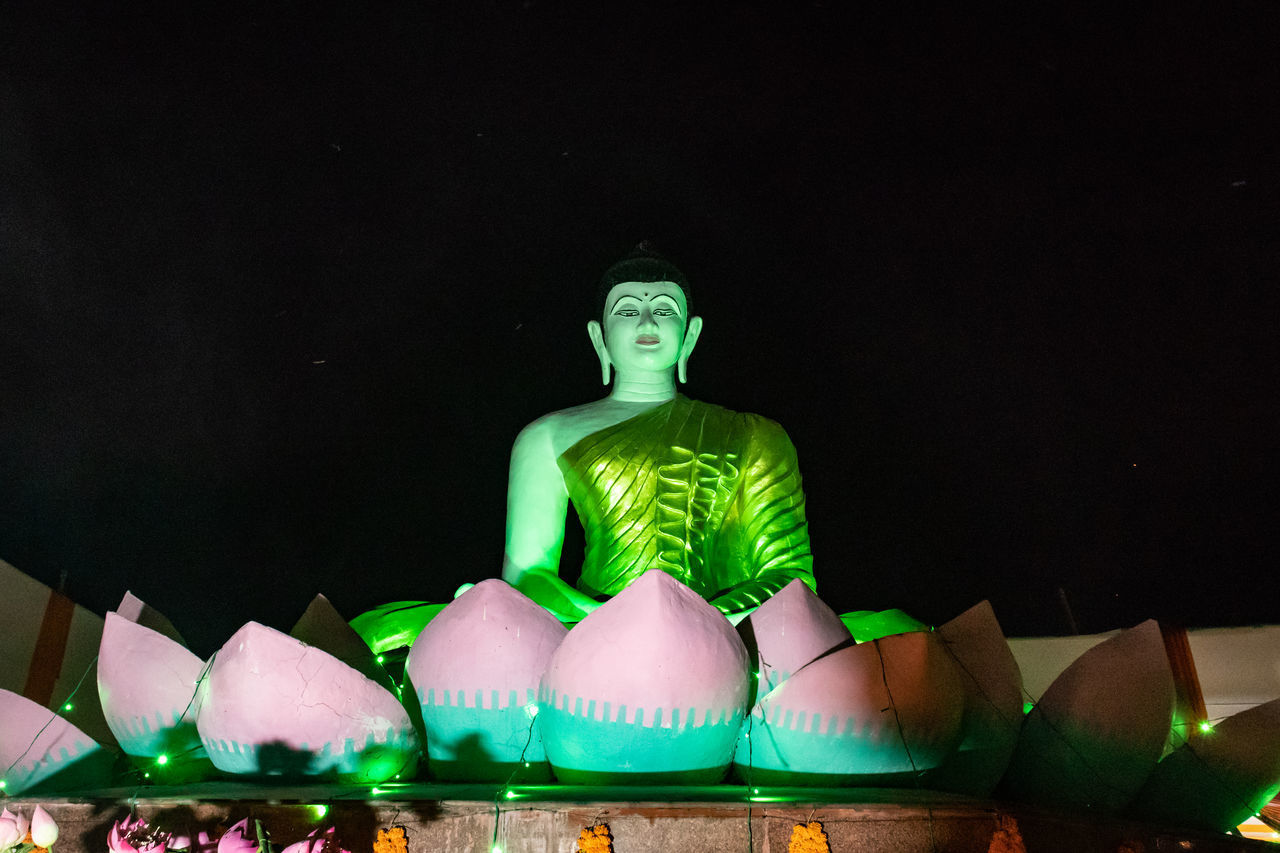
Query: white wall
[(1238, 668)]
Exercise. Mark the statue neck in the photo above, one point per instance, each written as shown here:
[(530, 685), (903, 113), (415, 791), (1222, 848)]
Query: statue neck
[(646, 387)]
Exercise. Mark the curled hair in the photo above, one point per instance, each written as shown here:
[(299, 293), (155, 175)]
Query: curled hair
[(645, 265)]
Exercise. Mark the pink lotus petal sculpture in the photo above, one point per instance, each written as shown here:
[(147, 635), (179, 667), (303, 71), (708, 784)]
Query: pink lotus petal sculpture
[(1219, 778), (40, 751), (788, 631), (649, 688), (323, 627), (272, 705), (876, 713), (992, 704), (475, 671), (1097, 732), (147, 684)]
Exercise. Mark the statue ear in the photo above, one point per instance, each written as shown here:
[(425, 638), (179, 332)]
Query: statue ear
[(597, 340), (686, 349)]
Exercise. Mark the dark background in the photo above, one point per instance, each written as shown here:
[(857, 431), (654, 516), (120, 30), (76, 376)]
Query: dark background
[(280, 286)]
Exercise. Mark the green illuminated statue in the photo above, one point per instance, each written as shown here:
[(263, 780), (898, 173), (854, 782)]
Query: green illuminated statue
[(710, 496)]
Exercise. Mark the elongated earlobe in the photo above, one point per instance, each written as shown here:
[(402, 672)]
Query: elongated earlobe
[(597, 341), (686, 349)]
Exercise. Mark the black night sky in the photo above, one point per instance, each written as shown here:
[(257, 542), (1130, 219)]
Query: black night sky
[(281, 283)]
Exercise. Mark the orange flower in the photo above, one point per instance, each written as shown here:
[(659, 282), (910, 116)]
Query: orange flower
[(595, 839), (1007, 837), (808, 838), (391, 840)]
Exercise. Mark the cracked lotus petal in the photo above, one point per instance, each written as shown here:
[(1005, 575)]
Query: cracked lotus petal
[(788, 631), (874, 714), (273, 705), (993, 704)]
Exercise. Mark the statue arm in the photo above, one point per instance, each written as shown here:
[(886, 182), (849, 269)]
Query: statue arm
[(773, 531), (536, 506)]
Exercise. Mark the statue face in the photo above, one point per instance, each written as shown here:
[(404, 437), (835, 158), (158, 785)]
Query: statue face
[(644, 324)]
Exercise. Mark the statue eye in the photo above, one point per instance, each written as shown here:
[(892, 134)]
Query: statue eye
[(664, 311), (625, 312)]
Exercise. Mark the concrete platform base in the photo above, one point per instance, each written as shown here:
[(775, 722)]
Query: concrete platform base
[(548, 819)]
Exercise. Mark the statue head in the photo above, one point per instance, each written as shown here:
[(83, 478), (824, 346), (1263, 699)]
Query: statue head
[(644, 325)]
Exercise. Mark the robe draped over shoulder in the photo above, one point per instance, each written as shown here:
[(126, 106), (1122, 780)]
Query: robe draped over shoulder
[(708, 495)]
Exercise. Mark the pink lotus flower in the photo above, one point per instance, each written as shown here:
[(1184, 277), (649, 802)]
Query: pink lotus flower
[(133, 836), (43, 829), (9, 831), (316, 843), (10, 834), (237, 840)]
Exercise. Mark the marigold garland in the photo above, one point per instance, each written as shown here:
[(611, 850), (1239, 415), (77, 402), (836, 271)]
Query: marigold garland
[(1007, 838), (391, 840), (808, 838), (595, 839)]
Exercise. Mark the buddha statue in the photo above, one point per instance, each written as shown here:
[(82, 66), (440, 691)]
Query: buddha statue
[(708, 495)]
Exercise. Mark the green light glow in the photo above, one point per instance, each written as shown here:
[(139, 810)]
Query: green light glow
[(531, 709), (1206, 726), (1027, 706), (510, 795), (319, 811), (868, 625), (497, 849), (162, 760), (375, 791), (3, 784), (68, 707), (394, 625)]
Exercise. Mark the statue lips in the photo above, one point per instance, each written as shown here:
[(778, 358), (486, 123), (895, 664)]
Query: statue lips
[(648, 340)]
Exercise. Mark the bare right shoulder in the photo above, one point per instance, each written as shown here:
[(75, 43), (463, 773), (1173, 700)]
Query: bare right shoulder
[(556, 432)]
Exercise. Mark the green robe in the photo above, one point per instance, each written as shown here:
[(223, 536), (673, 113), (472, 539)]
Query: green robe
[(710, 496)]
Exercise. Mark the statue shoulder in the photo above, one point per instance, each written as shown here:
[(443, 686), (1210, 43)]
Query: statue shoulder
[(765, 436), (556, 432)]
